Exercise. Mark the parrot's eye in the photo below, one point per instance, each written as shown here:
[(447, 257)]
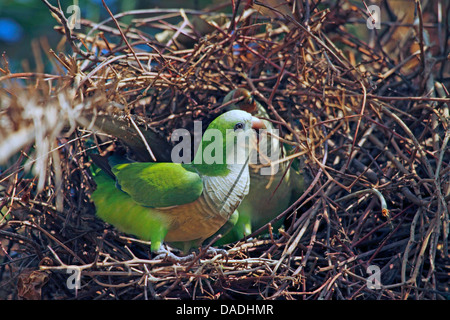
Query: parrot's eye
[(238, 126)]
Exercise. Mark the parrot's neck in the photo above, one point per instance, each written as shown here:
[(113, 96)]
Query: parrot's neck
[(231, 163), (211, 170), (222, 165), (219, 159), (225, 193), (226, 181)]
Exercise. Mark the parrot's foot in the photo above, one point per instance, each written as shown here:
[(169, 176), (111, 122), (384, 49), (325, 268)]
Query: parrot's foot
[(214, 252), (165, 254)]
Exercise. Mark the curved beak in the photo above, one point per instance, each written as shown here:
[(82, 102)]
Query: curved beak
[(257, 124)]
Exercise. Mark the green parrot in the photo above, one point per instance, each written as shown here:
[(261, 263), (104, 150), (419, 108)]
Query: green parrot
[(267, 197), (180, 203)]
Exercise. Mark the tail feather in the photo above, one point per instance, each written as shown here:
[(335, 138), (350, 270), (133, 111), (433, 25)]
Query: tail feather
[(102, 163)]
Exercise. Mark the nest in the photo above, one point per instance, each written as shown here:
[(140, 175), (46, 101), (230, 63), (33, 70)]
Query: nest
[(368, 112)]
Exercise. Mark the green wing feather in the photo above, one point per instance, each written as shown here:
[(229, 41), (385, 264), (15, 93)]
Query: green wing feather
[(159, 185), (119, 209)]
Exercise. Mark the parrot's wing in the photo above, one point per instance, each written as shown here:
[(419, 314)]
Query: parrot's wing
[(159, 185)]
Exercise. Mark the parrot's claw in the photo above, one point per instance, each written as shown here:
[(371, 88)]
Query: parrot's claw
[(215, 251), (166, 255)]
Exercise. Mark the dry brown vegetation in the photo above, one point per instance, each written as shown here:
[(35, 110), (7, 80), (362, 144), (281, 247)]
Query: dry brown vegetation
[(369, 110)]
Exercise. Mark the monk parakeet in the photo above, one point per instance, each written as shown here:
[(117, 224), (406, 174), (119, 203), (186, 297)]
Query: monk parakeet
[(267, 198), (180, 202)]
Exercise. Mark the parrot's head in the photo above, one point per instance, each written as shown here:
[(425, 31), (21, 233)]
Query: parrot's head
[(235, 120), (229, 138), (245, 102)]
